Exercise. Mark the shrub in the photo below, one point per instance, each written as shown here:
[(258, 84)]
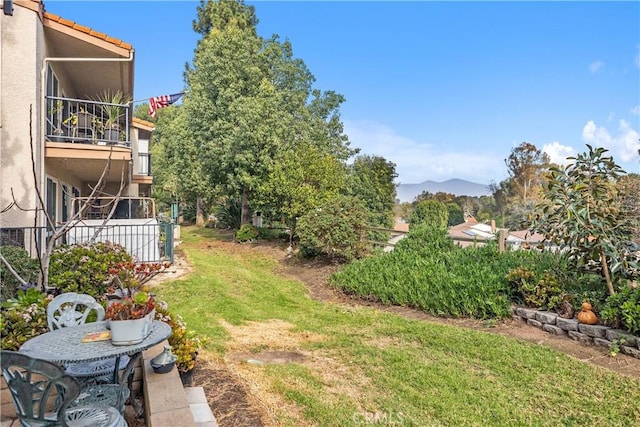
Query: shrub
[(246, 233), (228, 213), (542, 292), (85, 268), (265, 233), (23, 317), (27, 267), (622, 310), (335, 229), (425, 239)]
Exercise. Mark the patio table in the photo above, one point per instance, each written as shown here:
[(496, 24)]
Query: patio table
[(64, 346)]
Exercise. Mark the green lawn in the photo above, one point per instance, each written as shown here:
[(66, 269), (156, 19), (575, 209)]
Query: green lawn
[(365, 367)]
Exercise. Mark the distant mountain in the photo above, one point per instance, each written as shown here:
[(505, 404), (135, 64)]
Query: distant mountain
[(459, 187)]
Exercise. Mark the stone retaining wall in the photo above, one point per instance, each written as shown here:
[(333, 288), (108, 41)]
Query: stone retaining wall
[(589, 334)]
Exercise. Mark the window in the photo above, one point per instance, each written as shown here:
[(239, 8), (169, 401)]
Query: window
[(52, 195)]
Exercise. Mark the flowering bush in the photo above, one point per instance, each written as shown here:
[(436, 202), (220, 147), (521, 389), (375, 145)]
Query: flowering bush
[(184, 343), (23, 318)]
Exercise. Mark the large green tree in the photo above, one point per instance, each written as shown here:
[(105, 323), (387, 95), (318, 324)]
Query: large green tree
[(250, 103), (371, 179)]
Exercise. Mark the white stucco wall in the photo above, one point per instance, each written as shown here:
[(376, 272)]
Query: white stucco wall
[(21, 52)]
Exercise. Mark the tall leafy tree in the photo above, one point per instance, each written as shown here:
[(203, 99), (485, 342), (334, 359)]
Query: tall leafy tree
[(178, 171), (249, 101), (517, 196), (371, 179), (526, 165), (629, 189), (455, 214)]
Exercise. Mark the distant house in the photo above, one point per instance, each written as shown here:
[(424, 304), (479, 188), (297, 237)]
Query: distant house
[(471, 232)]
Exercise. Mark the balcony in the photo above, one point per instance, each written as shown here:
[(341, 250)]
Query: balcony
[(86, 122)]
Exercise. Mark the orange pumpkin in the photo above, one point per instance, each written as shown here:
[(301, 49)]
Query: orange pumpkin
[(587, 316)]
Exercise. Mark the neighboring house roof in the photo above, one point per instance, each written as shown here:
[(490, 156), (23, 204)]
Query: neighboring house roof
[(471, 230), (524, 236)]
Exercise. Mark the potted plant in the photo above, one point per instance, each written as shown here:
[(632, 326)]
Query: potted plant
[(131, 318), (113, 110), (83, 123), (131, 313)]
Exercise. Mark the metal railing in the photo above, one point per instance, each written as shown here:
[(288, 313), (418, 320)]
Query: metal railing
[(151, 242), (83, 121)]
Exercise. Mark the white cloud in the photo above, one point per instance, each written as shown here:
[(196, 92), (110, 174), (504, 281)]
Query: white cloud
[(416, 161), (624, 146), (592, 134), (635, 110), (596, 66), (558, 153)]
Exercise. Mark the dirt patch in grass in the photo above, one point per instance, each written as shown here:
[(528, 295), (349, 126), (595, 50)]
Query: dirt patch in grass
[(228, 396), (239, 395)]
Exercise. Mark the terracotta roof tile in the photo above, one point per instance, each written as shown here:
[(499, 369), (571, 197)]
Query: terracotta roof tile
[(97, 34), (82, 28), (85, 29)]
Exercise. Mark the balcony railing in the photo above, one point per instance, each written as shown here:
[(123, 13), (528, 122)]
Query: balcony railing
[(82, 121), (146, 242)]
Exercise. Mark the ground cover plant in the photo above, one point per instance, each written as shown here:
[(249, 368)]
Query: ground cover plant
[(428, 271), (362, 365)]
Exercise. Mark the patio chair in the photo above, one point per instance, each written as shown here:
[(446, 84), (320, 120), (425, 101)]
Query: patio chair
[(44, 395), (72, 309)]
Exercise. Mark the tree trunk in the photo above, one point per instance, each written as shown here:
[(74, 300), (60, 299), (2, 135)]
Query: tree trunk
[(607, 276), (244, 216), (199, 213)]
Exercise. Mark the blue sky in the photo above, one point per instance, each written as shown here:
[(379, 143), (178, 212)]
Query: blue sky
[(442, 89)]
